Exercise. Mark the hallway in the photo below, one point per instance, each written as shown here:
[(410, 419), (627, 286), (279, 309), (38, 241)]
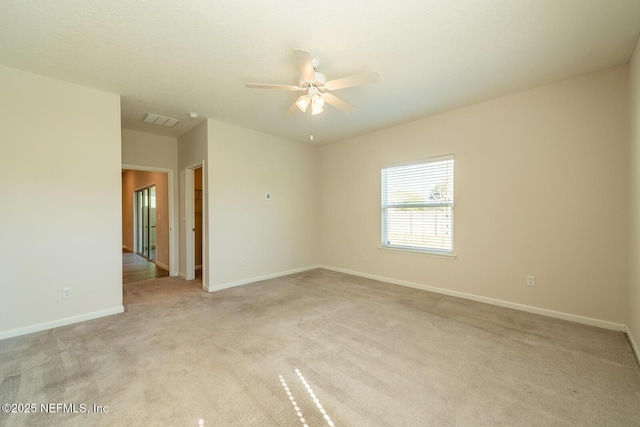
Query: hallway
[(136, 268)]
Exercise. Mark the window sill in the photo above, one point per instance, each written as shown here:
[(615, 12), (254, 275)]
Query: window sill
[(436, 254)]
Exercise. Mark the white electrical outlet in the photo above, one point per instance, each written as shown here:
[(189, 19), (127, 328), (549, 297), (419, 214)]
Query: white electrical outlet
[(67, 293), (531, 280), (347, 254), (364, 257), (244, 262)]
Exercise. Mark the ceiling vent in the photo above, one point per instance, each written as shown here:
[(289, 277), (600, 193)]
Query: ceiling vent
[(155, 119)]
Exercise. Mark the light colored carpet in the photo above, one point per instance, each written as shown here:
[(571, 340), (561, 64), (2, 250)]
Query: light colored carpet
[(369, 353)]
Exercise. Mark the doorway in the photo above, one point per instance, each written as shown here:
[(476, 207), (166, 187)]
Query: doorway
[(196, 225), (146, 233), (136, 178), (197, 222)]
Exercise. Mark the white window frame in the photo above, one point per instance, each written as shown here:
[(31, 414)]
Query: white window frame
[(385, 205)]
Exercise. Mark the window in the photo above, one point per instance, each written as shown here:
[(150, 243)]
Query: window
[(417, 206)]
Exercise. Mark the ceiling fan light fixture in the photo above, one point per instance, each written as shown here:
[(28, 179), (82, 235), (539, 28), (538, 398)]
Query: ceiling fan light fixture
[(317, 104), (317, 101), (303, 103)]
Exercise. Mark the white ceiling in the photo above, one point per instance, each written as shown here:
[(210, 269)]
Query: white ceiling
[(173, 57)]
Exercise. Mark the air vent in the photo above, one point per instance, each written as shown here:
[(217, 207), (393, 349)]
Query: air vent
[(155, 119)]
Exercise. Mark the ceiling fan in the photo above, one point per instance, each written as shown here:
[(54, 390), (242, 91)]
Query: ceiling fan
[(316, 88)]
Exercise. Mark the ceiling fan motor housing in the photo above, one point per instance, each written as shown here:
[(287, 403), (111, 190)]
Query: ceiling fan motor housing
[(320, 80)]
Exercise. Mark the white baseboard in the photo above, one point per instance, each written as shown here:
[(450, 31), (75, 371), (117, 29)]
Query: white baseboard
[(634, 344), (162, 266), (260, 278), (530, 309), (61, 322)]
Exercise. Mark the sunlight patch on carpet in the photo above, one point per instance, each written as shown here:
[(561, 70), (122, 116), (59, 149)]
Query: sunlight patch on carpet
[(312, 395)]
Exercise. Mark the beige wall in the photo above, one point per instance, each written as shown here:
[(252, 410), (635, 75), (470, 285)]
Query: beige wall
[(633, 298), (274, 235), (145, 149), (541, 189), (60, 203), (135, 180)]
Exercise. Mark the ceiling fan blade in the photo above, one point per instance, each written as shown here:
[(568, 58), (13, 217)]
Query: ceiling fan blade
[(293, 109), (355, 80), (268, 86), (337, 102), (303, 58)]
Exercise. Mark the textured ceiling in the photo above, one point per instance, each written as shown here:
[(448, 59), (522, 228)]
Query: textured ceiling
[(173, 57)]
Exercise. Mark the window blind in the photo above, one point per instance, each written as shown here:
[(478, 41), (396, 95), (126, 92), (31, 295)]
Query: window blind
[(417, 205)]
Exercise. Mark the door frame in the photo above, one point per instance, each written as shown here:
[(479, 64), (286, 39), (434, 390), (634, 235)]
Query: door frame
[(173, 230), (190, 256)]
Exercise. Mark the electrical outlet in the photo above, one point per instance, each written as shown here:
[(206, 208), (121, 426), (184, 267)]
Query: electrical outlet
[(267, 196), (531, 280), (67, 293), (347, 254), (244, 262), (364, 257)]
